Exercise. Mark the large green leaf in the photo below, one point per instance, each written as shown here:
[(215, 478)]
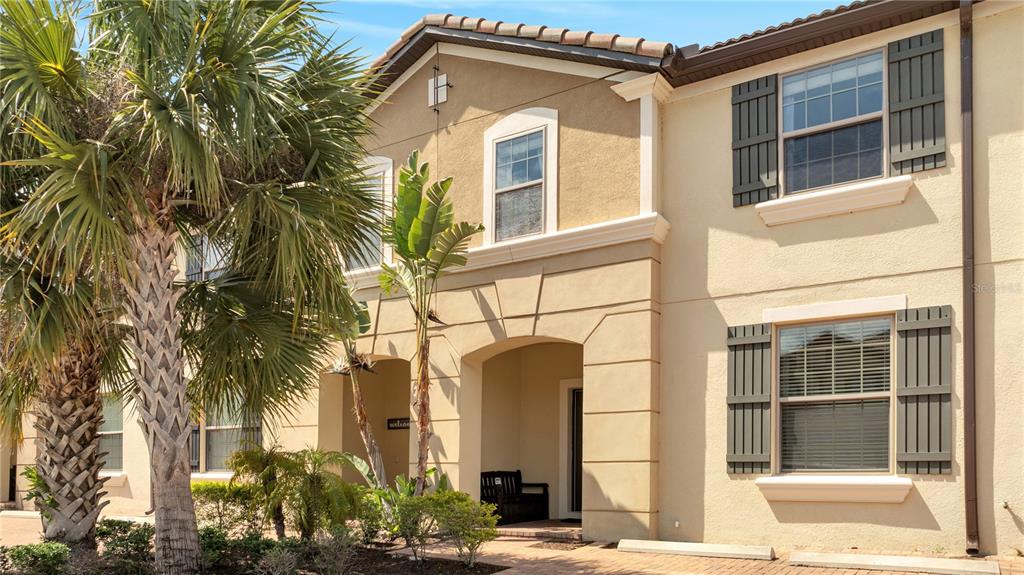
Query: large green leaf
[(436, 214), (451, 247)]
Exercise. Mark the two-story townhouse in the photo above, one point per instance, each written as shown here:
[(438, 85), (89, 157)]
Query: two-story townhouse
[(724, 294), (765, 291)]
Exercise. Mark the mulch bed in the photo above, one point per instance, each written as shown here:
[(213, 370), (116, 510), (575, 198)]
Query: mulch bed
[(378, 562), (560, 545)]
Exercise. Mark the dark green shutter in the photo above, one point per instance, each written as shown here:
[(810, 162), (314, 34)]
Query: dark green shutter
[(749, 400), (917, 110), (924, 386), (755, 153)]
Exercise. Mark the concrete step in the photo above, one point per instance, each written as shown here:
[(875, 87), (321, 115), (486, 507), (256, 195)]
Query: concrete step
[(916, 564), (762, 552)]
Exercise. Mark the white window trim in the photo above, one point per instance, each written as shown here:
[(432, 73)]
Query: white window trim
[(883, 115), (516, 124)]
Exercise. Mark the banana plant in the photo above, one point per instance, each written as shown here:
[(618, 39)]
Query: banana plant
[(427, 243)]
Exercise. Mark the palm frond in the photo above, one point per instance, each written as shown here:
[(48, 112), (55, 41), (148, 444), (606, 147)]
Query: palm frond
[(246, 355)]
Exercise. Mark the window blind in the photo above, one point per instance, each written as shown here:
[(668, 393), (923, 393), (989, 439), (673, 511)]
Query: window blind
[(836, 436), (835, 358)]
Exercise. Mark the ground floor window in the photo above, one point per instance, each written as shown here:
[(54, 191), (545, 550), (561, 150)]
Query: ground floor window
[(834, 395), (112, 433), (226, 434)]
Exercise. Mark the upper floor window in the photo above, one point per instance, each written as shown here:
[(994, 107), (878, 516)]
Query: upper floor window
[(834, 395), (378, 179), (520, 175), (112, 433), (519, 186), (832, 123)]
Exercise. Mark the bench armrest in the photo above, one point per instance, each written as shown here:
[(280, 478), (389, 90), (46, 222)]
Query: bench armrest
[(542, 486)]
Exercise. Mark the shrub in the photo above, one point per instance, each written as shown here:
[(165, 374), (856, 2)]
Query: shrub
[(5, 560), (125, 540), (39, 558), (214, 544), (414, 523), (370, 513), (467, 524), (247, 551), (332, 553), (235, 508), (280, 560)]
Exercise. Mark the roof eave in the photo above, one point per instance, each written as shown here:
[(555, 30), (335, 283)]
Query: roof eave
[(693, 67), (427, 37)]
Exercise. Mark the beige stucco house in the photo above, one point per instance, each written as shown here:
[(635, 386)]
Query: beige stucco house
[(765, 291)]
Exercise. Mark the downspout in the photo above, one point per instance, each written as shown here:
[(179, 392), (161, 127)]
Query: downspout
[(967, 185)]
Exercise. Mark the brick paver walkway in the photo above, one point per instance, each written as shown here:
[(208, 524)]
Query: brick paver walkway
[(525, 559)]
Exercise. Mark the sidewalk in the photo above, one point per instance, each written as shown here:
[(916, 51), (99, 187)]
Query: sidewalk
[(524, 558)]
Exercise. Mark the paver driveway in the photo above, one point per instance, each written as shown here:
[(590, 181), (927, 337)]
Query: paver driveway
[(524, 558)]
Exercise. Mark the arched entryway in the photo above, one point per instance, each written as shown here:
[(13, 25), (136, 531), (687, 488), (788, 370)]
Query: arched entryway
[(385, 392), (531, 420)]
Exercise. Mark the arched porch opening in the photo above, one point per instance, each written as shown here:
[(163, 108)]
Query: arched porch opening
[(386, 395), (531, 420)]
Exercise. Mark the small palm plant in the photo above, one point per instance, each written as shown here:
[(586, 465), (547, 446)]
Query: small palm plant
[(427, 242), (316, 498), (263, 466)]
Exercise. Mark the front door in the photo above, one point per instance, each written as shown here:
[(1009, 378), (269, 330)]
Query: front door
[(576, 451), (570, 448)]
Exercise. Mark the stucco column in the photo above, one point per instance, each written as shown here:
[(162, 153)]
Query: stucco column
[(454, 417), (620, 428)]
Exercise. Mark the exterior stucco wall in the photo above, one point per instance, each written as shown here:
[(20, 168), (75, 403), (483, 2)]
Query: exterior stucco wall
[(599, 150), (723, 267)]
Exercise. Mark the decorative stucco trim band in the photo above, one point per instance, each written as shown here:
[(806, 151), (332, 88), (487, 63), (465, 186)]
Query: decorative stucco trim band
[(855, 197), (836, 488), (835, 309), (651, 227)]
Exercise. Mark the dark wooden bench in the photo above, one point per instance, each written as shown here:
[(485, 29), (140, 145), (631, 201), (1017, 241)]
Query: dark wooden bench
[(515, 505)]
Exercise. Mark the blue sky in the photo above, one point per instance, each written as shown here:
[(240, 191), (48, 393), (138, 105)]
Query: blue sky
[(373, 25)]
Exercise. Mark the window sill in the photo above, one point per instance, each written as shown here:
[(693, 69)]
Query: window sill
[(114, 478), (213, 476), (836, 488), (845, 199)]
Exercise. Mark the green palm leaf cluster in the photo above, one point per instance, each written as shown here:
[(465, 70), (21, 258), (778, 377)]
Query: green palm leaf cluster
[(427, 243), (235, 121)]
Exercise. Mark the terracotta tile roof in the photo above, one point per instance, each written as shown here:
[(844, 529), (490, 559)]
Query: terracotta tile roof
[(804, 20), (563, 36)]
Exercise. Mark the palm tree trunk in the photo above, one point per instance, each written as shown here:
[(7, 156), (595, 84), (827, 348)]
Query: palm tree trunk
[(422, 404), (68, 458), (372, 449), (163, 404)]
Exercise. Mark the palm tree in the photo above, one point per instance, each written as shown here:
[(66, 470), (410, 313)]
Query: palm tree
[(427, 243), (58, 347), (353, 364), (229, 119)]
